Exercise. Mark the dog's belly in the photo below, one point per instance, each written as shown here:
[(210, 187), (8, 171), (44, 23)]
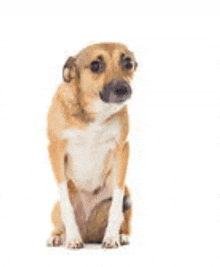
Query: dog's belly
[(86, 203), (89, 154)]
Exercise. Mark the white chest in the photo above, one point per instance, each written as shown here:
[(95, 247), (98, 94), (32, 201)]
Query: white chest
[(88, 150)]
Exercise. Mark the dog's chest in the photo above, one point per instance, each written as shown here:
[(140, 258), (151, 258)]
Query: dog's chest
[(88, 150)]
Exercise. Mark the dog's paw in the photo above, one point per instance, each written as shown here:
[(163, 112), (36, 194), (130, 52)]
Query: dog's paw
[(55, 241), (124, 239), (75, 243), (111, 242)]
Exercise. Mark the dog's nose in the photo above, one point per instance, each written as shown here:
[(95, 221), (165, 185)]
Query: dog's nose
[(116, 91), (121, 89)]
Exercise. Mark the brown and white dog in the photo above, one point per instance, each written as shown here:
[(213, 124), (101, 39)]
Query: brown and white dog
[(88, 150)]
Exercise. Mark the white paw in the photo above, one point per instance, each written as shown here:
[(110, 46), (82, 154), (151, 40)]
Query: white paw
[(54, 241), (74, 243), (111, 242), (124, 239)]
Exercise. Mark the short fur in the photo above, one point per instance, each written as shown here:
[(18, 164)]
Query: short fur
[(86, 137)]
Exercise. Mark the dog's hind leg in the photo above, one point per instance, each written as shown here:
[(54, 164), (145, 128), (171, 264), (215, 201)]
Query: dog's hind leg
[(125, 229), (57, 237)]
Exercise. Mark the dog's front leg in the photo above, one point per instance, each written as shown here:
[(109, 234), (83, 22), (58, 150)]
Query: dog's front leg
[(57, 151), (111, 237)]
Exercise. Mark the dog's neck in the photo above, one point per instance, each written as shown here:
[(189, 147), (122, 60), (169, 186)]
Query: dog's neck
[(85, 108), (84, 116), (101, 112), (104, 111)]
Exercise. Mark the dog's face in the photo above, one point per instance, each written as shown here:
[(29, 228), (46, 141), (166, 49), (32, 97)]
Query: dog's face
[(104, 72)]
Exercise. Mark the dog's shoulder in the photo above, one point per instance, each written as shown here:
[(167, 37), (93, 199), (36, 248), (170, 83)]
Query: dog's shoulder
[(123, 119), (62, 108)]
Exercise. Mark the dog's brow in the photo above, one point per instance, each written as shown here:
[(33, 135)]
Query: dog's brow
[(100, 57)]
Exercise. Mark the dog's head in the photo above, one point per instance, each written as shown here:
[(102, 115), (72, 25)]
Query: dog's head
[(103, 72)]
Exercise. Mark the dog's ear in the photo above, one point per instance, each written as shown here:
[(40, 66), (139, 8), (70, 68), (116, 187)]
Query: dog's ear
[(70, 69)]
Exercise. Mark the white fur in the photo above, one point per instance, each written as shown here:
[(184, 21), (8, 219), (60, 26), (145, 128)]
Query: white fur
[(67, 214), (124, 239), (88, 148), (115, 213), (105, 110)]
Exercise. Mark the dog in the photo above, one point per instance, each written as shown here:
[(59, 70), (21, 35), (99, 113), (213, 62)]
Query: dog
[(88, 149)]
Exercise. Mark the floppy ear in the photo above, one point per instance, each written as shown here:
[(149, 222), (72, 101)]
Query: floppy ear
[(69, 69)]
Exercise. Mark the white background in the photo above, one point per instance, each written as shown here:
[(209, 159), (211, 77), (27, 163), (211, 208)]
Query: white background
[(174, 170)]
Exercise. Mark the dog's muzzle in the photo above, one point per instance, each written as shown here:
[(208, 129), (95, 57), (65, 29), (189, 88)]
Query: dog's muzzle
[(116, 92)]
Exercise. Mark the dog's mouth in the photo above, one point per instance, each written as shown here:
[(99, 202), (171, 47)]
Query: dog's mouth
[(116, 92)]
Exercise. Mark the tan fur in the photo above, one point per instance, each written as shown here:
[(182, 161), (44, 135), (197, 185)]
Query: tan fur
[(95, 228), (72, 106)]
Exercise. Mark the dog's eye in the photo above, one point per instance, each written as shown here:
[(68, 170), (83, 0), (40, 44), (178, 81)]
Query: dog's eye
[(127, 62), (96, 66)]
